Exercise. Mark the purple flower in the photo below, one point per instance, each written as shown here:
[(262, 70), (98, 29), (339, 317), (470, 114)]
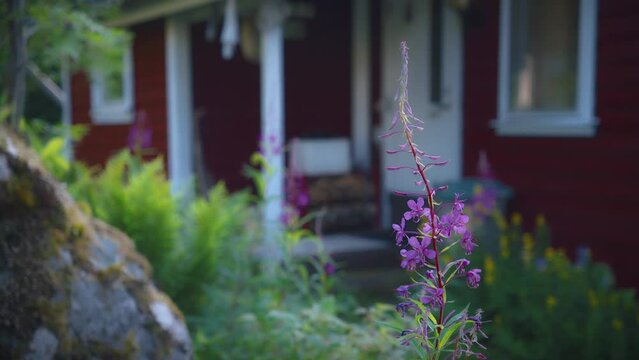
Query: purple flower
[(140, 133), (473, 278), (467, 243), (287, 216), (329, 268), (430, 275), (416, 210), (399, 232), (302, 199), (458, 205), (418, 254), (422, 247), (461, 265), (403, 291), (484, 169), (455, 220), (410, 259), (402, 308), (269, 146), (485, 200), (434, 296), (427, 228)]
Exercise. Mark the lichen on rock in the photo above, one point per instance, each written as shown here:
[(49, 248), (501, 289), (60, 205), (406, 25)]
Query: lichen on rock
[(72, 286)]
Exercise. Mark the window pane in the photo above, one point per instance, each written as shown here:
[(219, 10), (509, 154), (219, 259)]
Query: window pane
[(114, 86), (543, 55)]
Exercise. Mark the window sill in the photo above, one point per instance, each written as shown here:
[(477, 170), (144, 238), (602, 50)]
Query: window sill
[(111, 118), (545, 127)]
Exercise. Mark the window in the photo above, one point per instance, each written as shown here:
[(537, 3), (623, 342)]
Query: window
[(547, 66), (112, 94)]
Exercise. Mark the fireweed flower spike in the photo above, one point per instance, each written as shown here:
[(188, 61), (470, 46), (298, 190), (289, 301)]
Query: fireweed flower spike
[(435, 332)]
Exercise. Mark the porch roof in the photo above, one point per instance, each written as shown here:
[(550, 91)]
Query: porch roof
[(138, 11)]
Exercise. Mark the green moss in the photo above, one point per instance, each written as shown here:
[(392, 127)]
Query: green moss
[(110, 274), (21, 187), (55, 317), (131, 346)]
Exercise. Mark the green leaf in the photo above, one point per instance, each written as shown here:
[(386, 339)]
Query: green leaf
[(458, 316), (447, 333), (448, 247)]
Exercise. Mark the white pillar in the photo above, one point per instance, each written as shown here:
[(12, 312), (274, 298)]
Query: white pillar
[(271, 18), (361, 85), (179, 103)]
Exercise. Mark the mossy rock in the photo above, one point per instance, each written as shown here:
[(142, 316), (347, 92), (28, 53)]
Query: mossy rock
[(71, 286)]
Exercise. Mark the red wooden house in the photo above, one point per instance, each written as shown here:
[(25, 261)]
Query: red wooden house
[(548, 89)]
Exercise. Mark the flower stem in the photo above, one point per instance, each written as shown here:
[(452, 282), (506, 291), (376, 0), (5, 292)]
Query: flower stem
[(431, 205), (405, 113)]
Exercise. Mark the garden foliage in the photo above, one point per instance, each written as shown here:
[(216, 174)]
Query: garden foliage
[(541, 305), (545, 306), (206, 255)]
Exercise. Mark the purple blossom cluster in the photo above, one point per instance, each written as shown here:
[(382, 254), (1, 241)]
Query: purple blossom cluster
[(140, 134), (424, 233)]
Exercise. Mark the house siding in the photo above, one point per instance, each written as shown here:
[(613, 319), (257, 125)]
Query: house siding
[(102, 141), (586, 187)]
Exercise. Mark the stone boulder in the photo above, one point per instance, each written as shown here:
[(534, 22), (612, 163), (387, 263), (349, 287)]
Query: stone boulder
[(72, 287)]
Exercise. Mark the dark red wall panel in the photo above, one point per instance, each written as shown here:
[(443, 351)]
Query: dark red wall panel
[(587, 187), (318, 74), (226, 97)]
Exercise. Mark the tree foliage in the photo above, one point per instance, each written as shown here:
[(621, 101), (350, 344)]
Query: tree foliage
[(55, 32)]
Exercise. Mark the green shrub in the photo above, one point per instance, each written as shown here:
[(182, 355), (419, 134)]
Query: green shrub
[(544, 306), (204, 256)]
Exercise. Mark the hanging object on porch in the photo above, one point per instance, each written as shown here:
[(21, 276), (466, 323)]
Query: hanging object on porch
[(249, 44), (231, 30)]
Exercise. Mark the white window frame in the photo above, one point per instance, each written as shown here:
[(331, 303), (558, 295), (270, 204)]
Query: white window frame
[(579, 123), (118, 111)]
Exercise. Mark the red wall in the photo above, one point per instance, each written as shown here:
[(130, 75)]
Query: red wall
[(226, 97), (318, 74), (103, 141), (588, 188)]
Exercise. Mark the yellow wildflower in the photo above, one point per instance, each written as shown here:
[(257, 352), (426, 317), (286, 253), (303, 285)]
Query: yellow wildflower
[(592, 298), (617, 324), (504, 246), (549, 253), (489, 268), (516, 219), (501, 222), (540, 220), (529, 245), (551, 302)]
